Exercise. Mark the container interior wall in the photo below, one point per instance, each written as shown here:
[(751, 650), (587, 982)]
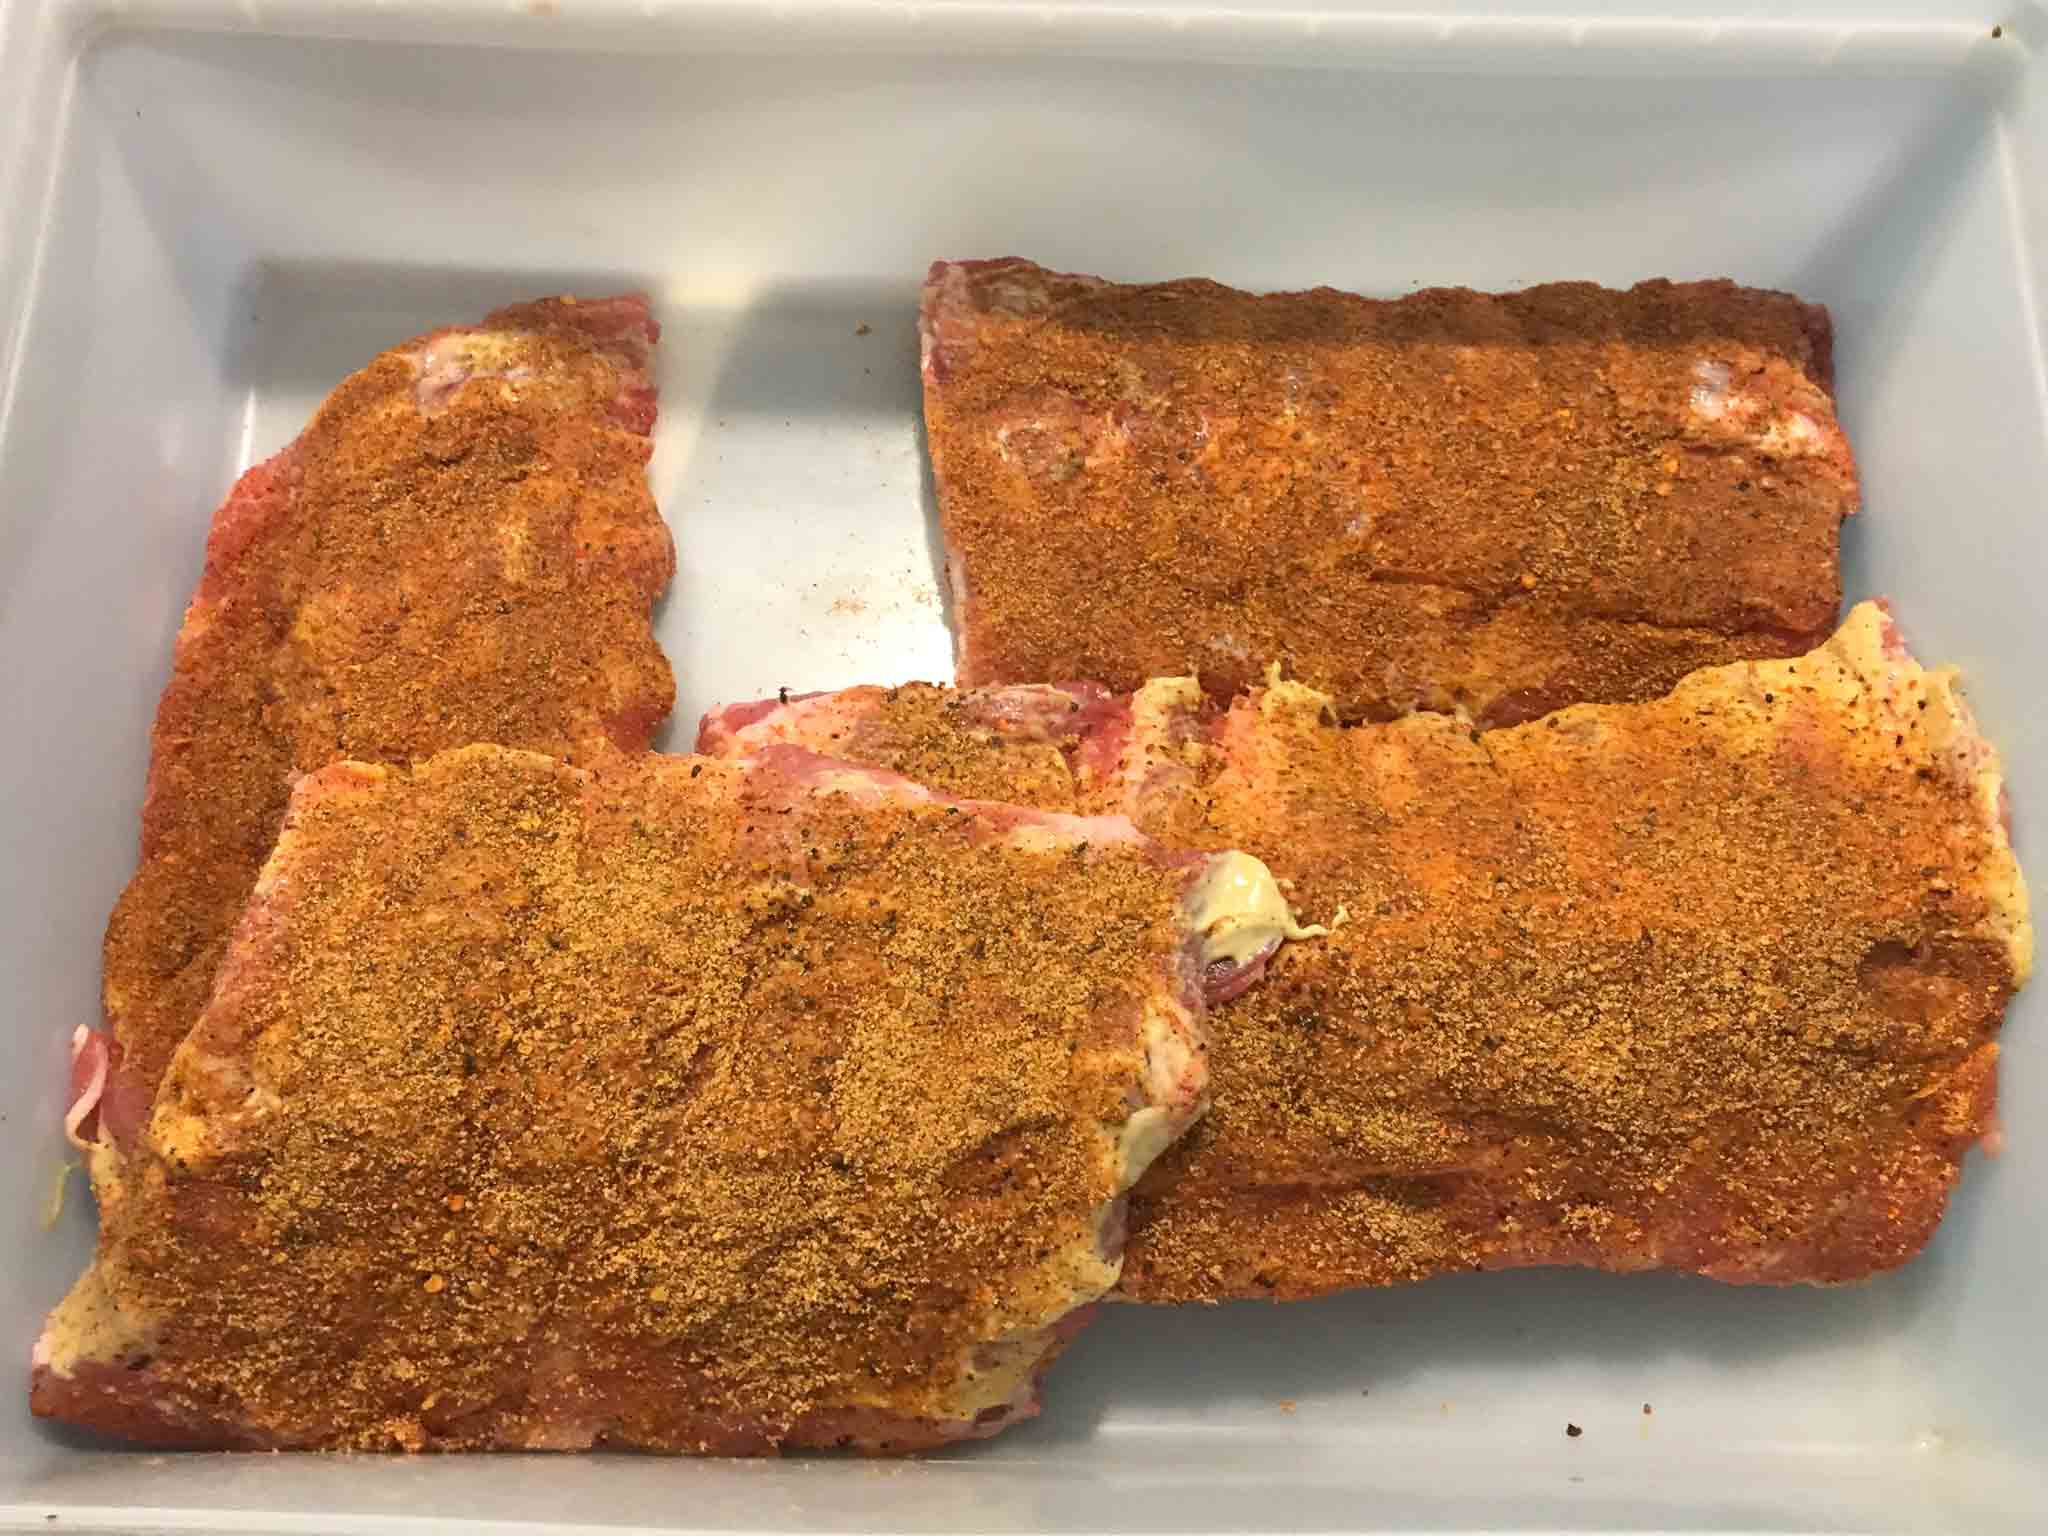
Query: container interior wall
[(240, 221)]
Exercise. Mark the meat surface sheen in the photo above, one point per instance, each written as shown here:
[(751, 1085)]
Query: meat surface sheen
[(686, 1104), (459, 547), (1494, 503), (1710, 983)]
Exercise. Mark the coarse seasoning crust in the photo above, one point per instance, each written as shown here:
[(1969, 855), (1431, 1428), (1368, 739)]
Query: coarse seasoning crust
[(1711, 982), (1495, 503), (460, 547), (689, 1105), (1032, 744)]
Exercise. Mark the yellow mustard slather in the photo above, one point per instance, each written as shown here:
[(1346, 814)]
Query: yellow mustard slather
[(1238, 909)]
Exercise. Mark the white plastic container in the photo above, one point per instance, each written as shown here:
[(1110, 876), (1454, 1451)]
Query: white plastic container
[(211, 210)]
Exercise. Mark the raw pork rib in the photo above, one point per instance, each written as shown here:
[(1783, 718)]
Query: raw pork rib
[(1025, 744), (686, 1104), (1491, 503), (459, 547), (1709, 983)]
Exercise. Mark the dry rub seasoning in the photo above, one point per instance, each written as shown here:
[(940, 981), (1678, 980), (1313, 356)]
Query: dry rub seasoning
[(688, 1105)]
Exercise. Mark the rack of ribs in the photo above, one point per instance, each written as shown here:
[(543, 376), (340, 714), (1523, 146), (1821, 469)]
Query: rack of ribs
[(459, 547), (1711, 982), (1494, 503), (684, 1104)]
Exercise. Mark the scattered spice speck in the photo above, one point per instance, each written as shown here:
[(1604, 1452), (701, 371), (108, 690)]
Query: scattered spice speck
[(1572, 1431)]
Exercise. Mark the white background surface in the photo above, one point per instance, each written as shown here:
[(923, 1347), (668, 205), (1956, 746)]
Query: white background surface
[(204, 230)]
